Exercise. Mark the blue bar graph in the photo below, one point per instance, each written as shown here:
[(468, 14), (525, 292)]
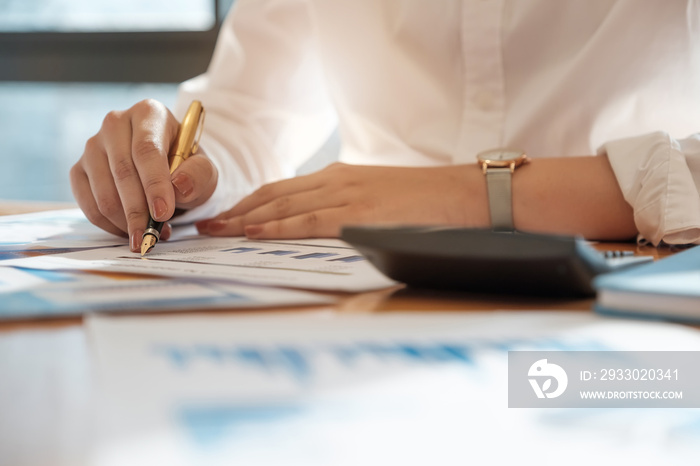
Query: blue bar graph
[(316, 255), (298, 361), (240, 250), (348, 259), (211, 424), (279, 252)]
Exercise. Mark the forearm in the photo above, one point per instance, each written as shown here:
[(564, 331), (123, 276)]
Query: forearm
[(567, 195), (571, 195)]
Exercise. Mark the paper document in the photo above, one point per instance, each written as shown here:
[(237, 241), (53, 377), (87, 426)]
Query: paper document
[(63, 288), (46, 389), (27, 293), (309, 264), (322, 389), (57, 231), (50, 232)]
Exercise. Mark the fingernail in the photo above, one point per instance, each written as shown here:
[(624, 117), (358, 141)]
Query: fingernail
[(251, 231), (216, 225), (203, 225), (159, 208), (135, 241), (166, 232), (183, 184)]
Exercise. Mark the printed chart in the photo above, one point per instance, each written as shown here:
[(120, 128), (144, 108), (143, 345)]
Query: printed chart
[(410, 389), (316, 265)]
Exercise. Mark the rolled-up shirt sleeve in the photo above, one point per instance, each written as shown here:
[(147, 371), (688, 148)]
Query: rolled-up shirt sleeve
[(660, 178), (267, 109)]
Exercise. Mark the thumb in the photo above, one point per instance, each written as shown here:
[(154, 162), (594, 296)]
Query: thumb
[(194, 181)]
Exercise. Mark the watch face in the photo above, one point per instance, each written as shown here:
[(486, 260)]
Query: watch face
[(500, 158), (501, 155)]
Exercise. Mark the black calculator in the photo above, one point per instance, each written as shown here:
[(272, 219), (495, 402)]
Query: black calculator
[(479, 260)]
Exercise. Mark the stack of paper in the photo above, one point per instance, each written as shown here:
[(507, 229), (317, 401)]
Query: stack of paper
[(44, 257)]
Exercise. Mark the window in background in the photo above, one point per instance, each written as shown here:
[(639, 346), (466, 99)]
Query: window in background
[(44, 127), (106, 15), (65, 63)]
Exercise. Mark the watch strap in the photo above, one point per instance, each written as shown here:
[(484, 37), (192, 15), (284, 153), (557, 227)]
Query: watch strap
[(498, 183)]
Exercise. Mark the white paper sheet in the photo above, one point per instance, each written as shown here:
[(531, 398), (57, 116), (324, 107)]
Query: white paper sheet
[(56, 231), (45, 397), (45, 293), (310, 264), (32, 238), (383, 389)]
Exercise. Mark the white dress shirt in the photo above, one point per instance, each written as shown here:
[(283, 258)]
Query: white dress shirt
[(432, 82)]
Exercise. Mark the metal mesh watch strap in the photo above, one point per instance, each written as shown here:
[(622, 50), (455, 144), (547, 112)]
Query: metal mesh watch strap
[(498, 184)]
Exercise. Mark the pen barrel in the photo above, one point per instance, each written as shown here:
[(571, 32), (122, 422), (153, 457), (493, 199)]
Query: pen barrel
[(185, 144), (175, 162)]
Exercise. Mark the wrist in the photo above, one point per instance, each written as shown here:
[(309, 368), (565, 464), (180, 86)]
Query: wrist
[(499, 166), (471, 195)]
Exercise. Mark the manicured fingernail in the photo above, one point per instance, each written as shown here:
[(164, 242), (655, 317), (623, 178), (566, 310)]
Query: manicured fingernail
[(159, 208), (202, 226), (166, 232), (252, 231), (183, 184), (135, 241), (216, 225)]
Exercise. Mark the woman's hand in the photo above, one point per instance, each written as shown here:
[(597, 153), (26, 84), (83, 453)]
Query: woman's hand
[(124, 174), (318, 205)]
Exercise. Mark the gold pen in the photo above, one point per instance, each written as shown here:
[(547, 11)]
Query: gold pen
[(186, 144)]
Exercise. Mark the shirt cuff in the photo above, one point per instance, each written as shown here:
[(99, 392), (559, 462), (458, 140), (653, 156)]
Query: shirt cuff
[(660, 177)]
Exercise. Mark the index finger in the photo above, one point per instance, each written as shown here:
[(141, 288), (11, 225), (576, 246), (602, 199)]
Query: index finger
[(154, 129)]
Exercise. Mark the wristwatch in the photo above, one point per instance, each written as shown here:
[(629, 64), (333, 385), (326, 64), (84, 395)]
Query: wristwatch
[(498, 166)]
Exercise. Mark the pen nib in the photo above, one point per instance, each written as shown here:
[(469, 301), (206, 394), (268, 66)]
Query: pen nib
[(147, 244)]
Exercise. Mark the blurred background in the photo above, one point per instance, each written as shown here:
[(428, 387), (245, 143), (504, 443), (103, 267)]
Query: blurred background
[(65, 63)]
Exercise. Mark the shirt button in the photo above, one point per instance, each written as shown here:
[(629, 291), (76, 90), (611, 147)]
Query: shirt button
[(484, 100)]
